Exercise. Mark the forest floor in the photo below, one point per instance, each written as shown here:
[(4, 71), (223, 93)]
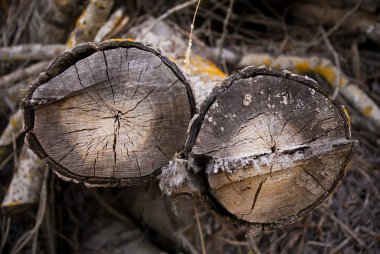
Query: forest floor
[(332, 41)]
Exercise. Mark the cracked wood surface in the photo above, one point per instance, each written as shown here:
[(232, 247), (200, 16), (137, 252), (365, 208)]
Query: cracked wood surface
[(273, 146), (112, 117)]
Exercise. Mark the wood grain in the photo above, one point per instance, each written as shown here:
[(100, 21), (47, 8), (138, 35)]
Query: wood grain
[(113, 117), (272, 146)]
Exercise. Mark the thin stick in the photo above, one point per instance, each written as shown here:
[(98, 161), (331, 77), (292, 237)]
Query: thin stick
[(188, 50), (343, 19), (167, 14), (110, 209), (336, 60), (31, 52), (20, 74), (200, 230), (4, 232), (225, 24), (345, 228)]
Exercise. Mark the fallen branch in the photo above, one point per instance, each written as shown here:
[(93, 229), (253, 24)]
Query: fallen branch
[(31, 52), (20, 74), (352, 20), (114, 24), (24, 190), (91, 20)]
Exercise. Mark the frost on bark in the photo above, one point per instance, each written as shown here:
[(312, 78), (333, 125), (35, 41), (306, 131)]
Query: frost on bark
[(110, 114)]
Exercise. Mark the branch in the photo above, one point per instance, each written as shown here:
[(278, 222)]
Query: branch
[(31, 52), (91, 20)]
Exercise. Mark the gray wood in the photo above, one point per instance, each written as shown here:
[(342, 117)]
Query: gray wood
[(271, 146), (120, 113)]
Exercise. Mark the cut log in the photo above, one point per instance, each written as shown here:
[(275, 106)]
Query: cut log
[(270, 146), (108, 115)]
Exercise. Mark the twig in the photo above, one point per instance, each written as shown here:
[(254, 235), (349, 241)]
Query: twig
[(167, 14), (252, 243), (342, 20), (232, 242), (225, 24), (345, 228), (110, 209), (4, 232), (336, 60), (200, 230)]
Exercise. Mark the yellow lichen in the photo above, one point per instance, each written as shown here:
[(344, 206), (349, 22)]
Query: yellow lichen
[(15, 124), (70, 43), (267, 61), (347, 115), (14, 203), (302, 67), (171, 59), (343, 82), (203, 66), (118, 40), (327, 72), (367, 111)]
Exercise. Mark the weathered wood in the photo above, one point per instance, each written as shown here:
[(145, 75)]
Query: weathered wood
[(270, 146), (111, 114)]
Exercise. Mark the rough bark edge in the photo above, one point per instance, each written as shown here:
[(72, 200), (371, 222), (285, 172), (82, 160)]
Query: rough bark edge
[(59, 65), (196, 123)]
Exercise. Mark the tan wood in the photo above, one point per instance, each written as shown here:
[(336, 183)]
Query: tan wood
[(120, 113)]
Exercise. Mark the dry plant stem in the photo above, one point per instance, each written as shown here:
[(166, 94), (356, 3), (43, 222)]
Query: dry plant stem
[(31, 52), (345, 228), (199, 229), (110, 209), (91, 20), (190, 42), (5, 226), (20, 74), (343, 19), (27, 236), (225, 24), (323, 67), (336, 60)]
